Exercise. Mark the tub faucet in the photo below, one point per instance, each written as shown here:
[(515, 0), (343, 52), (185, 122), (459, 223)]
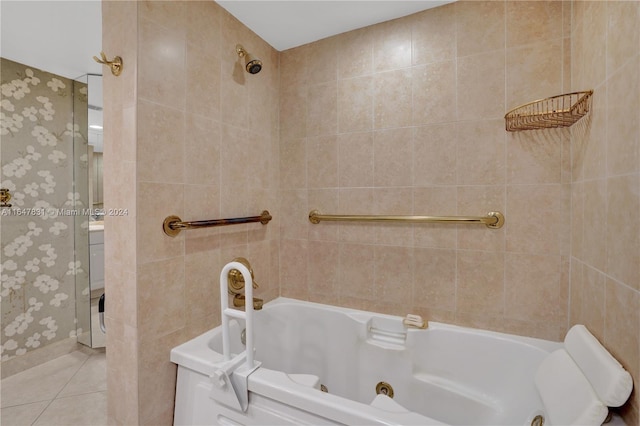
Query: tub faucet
[(236, 286), (239, 301)]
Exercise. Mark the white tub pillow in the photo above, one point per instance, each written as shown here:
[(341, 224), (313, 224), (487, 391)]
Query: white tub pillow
[(611, 382), (567, 396)]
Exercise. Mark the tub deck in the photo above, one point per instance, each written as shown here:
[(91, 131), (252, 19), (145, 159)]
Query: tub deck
[(442, 375)]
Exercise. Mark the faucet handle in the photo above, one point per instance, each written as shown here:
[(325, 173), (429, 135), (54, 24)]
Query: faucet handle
[(236, 280), (415, 321)]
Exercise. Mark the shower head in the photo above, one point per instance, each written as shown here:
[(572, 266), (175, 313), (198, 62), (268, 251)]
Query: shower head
[(253, 65)]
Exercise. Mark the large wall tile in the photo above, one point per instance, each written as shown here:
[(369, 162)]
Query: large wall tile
[(167, 14), (480, 26), (435, 201), (293, 163), (480, 288), (595, 43), (623, 230), (392, 153), (480, 154), (535, 157), (434, 280), (534, 71), (623, 33), (356, 201), (355, 159), (434, 93), (157, 201), (322, 162), (322, 102), (434, 159), (479, 201), (537, 216), (357, 271), (622, 316), (392, 99), (595, 224), (160, 143), (355, 55), (355, 104), (323, 272), (161, 298), (393, 201), (203, 82), (201, 151), (293, 269), (391, 45), (532, 21), (433, 35), (161, 67), (623, 100), (204, 27), (481, 86), (534, 290), (393, 279), (324, 61)]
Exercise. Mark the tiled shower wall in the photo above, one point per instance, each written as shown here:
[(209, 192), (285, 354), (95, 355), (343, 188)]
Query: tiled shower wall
[(406, 117), (400, 118), (605, 253), (193, 135)]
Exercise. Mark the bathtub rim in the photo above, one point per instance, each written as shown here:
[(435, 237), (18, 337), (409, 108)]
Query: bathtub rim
[(197, 355)]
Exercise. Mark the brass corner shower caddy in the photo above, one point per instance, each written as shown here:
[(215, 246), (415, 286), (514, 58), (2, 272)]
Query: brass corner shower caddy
[(556, 111)]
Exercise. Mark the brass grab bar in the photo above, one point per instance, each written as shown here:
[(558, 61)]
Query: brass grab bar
[(493, 220), (172, 225)]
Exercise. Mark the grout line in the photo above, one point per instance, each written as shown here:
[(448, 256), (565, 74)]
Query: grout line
[(58, 393), (71, 378), (42, 412)]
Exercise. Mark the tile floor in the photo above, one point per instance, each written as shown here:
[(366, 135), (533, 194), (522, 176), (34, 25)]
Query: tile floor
[(70, 390)]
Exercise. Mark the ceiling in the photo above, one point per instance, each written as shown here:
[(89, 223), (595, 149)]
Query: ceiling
[(287, 24), (55, 36)]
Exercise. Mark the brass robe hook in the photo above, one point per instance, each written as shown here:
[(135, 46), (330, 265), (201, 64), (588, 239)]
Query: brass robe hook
[(115, 65)]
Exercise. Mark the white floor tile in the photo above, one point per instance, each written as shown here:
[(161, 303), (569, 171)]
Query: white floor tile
[(22, 415), (69, 390), (91, 377), (80, 410), (42, 382)]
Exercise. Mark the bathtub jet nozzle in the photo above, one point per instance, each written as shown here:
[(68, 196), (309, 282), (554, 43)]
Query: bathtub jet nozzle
[(384, 388)]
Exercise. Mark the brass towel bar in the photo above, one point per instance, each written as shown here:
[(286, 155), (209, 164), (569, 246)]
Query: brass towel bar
[(493, 220), (172, 225)]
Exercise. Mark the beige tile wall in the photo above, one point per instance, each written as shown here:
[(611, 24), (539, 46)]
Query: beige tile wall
[(196, 136), (406, 117), (119, 34), (605, 196)]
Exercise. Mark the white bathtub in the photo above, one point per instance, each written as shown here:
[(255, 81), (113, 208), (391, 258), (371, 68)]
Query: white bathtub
[(442, 375)]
